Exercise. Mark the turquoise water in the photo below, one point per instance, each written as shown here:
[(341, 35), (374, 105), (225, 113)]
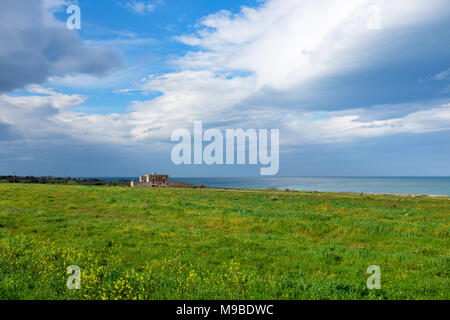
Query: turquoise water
[(410, 185)]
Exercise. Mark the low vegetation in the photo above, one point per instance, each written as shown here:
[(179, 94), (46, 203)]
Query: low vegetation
[(60, 180), (219, 244)]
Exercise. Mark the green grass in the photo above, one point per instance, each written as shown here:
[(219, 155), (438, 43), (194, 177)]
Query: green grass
[(220, 244)]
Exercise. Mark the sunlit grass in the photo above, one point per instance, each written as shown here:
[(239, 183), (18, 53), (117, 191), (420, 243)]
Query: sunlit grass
[(220, 244)]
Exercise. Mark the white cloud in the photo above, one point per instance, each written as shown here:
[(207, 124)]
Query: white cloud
[(444, 75), (33, 114), (123, 77), (333, 128), (188, 96), (48, 113), (441, 76), (287, 41), (139, 7), (45, 97), (282, 44)]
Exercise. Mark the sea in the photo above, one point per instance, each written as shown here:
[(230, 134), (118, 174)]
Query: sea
[(400, 185)]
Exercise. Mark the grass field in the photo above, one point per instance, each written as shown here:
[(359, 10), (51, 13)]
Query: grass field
[(220, 244)]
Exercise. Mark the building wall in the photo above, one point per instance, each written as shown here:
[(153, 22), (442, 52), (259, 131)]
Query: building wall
[(152, 180)]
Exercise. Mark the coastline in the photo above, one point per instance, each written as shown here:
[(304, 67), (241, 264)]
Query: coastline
[(122, 182), (410, 195)]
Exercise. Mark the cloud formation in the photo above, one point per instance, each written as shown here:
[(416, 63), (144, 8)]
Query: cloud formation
[(284, 63), (139, 7), (34, 46), (323, 71), (33, 115)]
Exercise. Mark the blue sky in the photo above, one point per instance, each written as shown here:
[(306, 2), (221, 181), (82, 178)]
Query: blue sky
[(360, 88)]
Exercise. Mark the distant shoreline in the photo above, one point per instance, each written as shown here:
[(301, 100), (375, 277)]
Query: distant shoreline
[(411, 186), (411, 195), (124, 183)]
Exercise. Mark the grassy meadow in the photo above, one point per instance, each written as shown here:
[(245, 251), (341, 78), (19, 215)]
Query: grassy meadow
[(220, 244)]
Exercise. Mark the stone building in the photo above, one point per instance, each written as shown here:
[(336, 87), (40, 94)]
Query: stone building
[(152, 180)]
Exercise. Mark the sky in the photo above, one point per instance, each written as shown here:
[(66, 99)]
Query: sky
[(356, 87)]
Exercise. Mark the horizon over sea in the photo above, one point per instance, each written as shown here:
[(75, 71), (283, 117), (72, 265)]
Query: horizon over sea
[(401, 185)]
